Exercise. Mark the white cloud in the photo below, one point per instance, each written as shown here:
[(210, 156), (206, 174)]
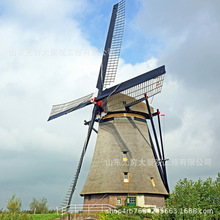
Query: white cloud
[(194, 136), (34, 80), (127, 70), (190, 39), (31, 83)]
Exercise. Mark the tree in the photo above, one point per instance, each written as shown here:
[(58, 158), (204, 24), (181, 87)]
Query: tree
[(14, 204), (39, 206), (218, 178), (195, 197)]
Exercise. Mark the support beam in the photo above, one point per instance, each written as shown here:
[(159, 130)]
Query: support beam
[(87, 123), (162, 149), (157, 160), (127, 106), (162, 161), (73, 186), (153, 127), (161, 140)]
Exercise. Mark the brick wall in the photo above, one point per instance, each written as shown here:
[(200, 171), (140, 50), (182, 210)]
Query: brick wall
[(157, 200), (111, 199)]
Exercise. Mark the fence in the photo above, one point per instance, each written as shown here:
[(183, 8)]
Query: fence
[(79, 208)]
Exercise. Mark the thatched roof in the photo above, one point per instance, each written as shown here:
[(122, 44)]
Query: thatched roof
[(106, 174)]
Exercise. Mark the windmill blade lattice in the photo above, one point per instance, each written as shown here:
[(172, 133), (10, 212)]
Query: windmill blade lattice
[(116, 43), (112, 48), (151, 87), (135, 86), (65, 108)]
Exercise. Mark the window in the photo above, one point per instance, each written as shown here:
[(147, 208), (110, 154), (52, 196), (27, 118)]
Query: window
[(152, 180), (125, 158), (126, 177), (132, 200), (118, 201)]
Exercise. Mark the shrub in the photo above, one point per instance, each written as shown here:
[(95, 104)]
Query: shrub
[(14, 204), (39, 206)]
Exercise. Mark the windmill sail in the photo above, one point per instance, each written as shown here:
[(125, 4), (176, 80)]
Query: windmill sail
[(62, 109), (109, 62), (112, 49), (115, 49), (150, 82), (151, 87), (69, 194)]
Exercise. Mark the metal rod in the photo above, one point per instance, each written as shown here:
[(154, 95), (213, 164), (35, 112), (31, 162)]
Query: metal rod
[(94, 112), (95, 130), (134, 103), (161, 140), (156, 158), (162, 149), (87, 123), (152, 124)]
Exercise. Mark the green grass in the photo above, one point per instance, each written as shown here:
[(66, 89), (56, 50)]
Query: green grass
[(44, 216), (111, 216), (24, 216)]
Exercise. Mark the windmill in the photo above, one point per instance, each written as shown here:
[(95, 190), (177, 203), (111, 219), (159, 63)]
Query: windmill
[(123, 132)]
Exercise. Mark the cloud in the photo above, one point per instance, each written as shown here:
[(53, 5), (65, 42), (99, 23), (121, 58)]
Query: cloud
[(173, 19), (128, 70), (188, 35), (37, 70), (46, 59)]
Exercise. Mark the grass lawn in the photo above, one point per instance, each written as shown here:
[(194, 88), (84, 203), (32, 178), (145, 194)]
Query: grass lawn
[(24, 216), (44, 216)]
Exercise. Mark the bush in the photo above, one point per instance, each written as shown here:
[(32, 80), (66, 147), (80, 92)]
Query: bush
[(14, 216), (39, 206), (14, 204), (189, 200)]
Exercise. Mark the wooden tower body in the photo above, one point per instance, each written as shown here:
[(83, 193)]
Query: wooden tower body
[(124, 170)]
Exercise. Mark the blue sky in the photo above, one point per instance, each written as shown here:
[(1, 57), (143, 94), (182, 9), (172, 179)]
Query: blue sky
[(38, 158), (94, 23)]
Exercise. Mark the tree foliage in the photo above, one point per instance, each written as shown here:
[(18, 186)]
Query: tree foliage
[(14, 204), (39, 206), (195, 197)]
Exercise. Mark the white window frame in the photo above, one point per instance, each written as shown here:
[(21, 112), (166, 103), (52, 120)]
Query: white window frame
[(126, 177), (152, 181), (125, 156), (118, 201)]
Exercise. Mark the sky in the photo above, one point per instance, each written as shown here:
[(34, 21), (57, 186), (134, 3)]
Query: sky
[(50, 53)]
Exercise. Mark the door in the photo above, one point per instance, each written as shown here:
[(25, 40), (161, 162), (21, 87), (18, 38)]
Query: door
[(131, 201)]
